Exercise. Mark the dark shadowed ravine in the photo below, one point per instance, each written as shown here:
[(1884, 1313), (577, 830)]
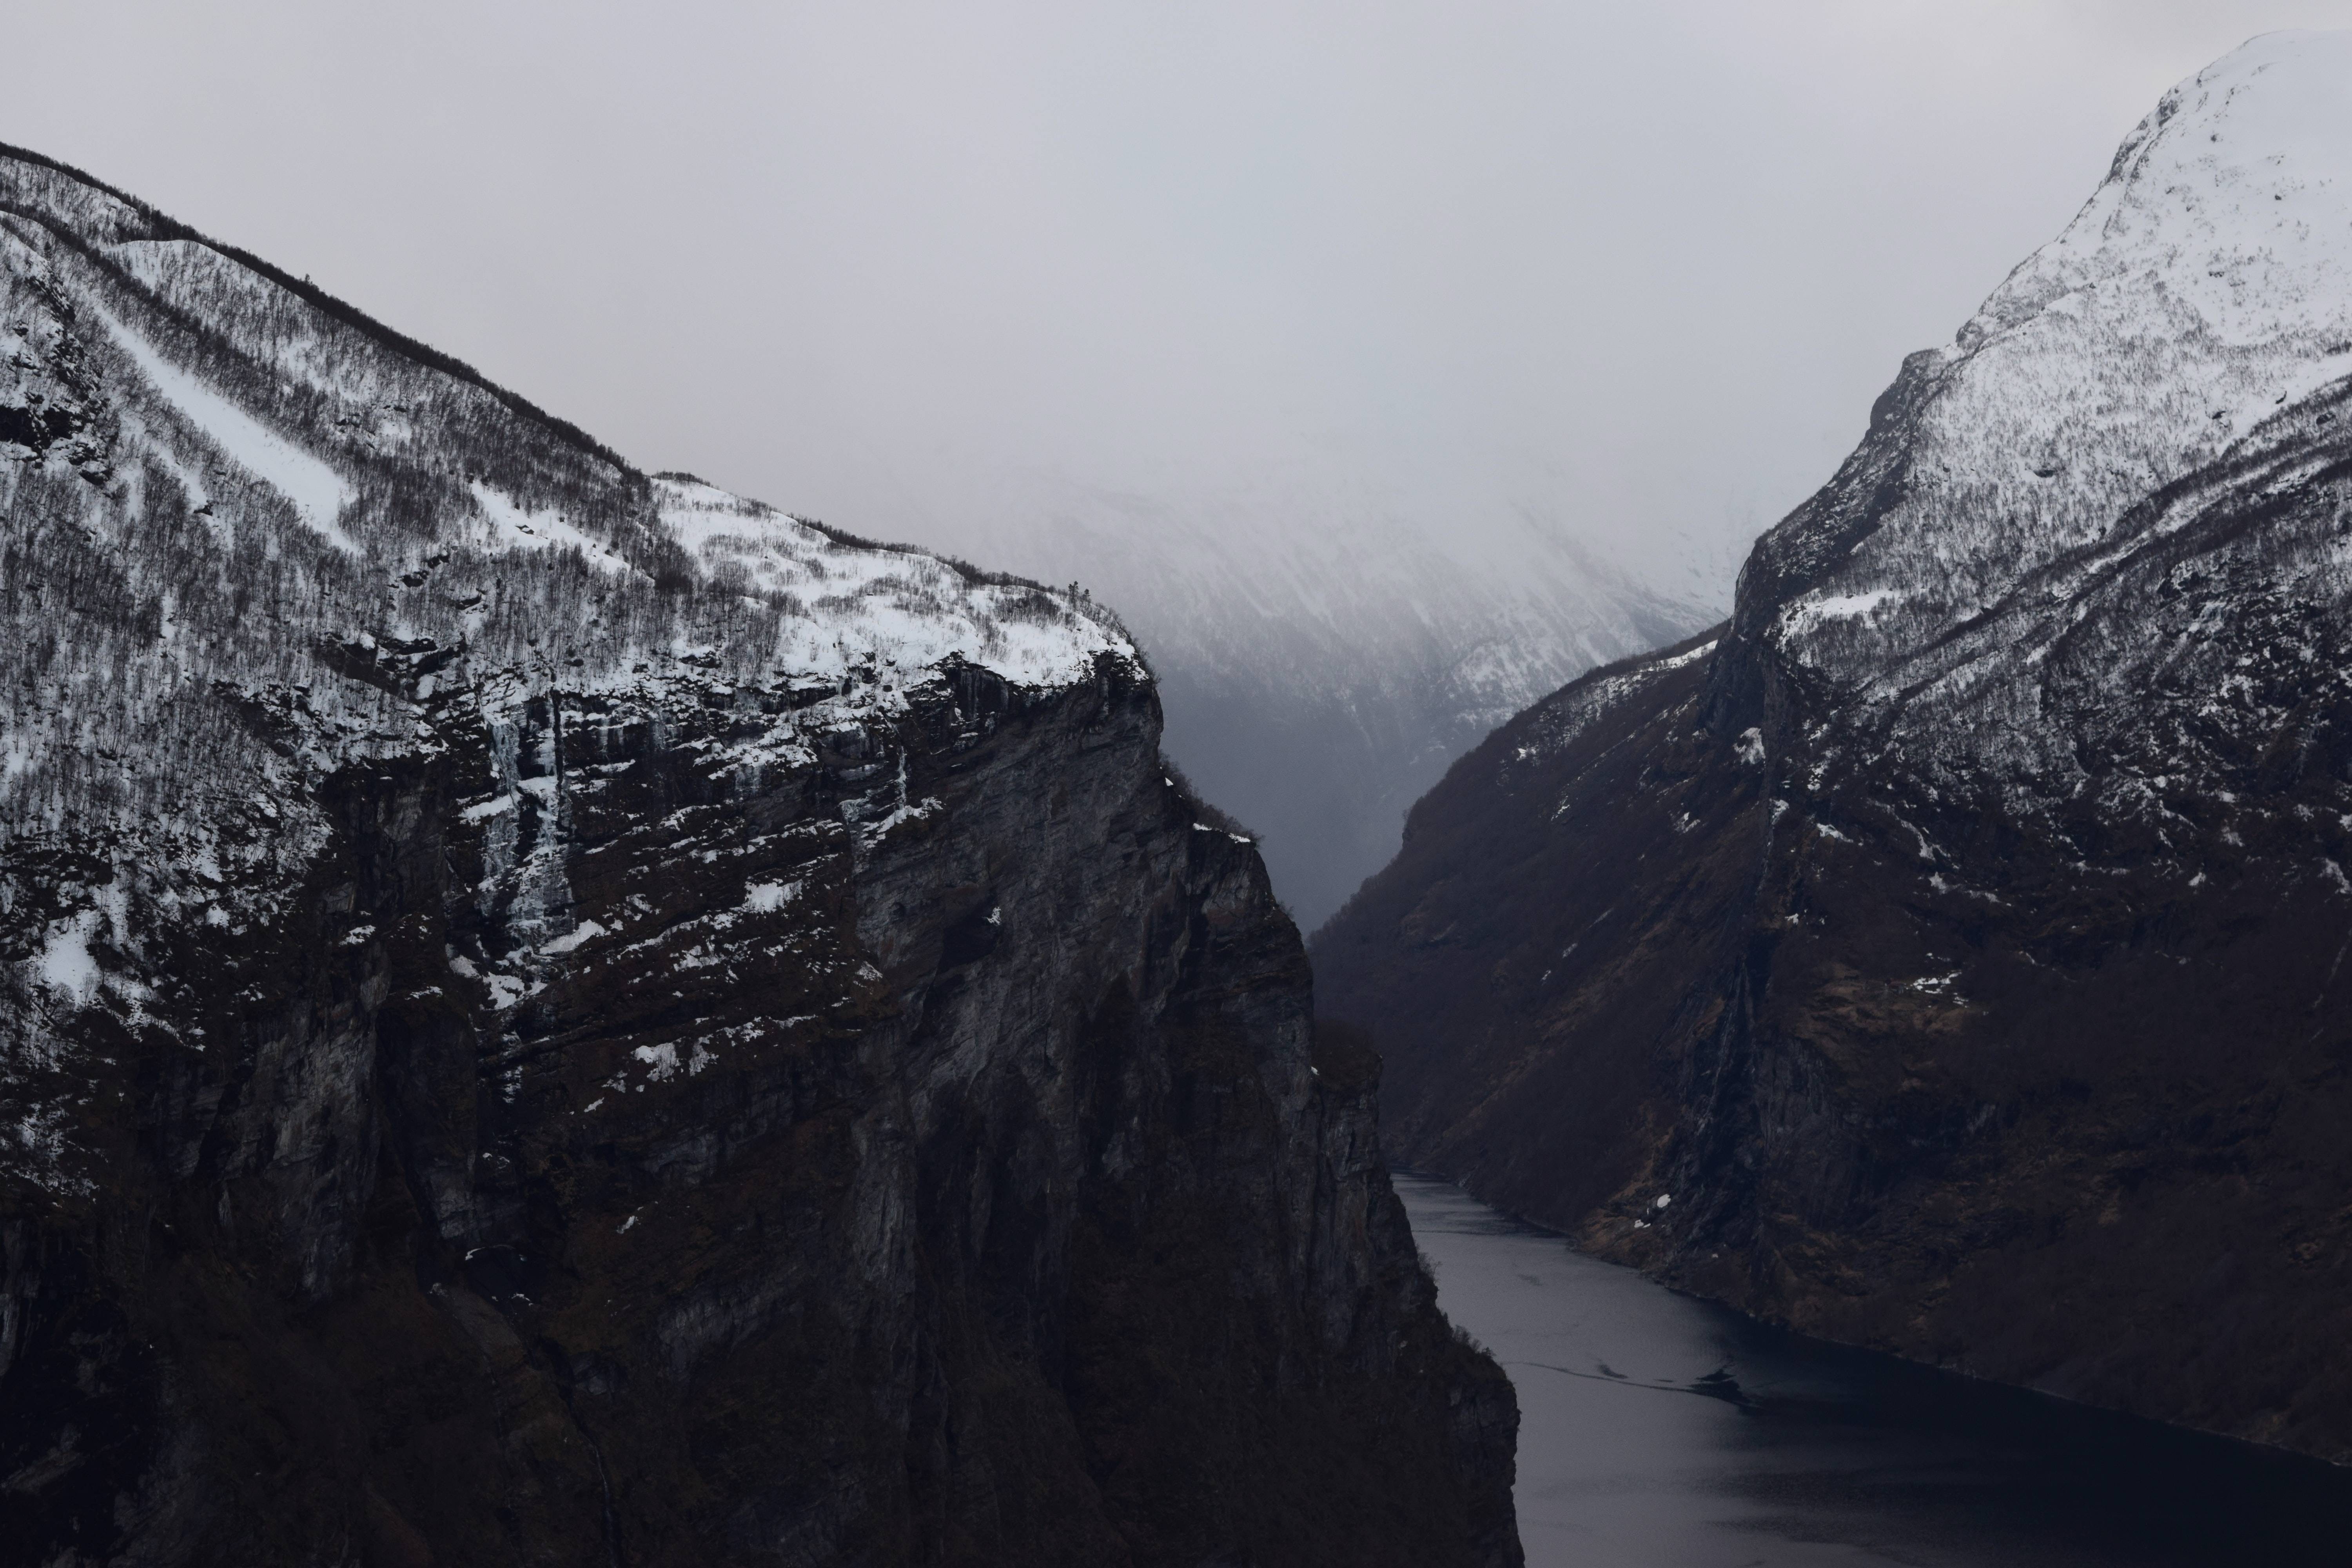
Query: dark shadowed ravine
[(1659, 1431)]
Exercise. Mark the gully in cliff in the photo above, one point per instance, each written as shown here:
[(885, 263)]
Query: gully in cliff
[(556, 1014)]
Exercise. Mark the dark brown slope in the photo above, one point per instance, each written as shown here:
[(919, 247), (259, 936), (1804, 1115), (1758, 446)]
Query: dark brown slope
[(1009, 1225), (1491, 942)]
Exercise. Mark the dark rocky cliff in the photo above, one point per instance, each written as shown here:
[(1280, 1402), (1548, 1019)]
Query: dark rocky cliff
[(555, 1017), (1947, 955)]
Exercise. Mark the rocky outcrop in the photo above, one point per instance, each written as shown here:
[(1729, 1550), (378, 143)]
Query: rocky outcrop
[(553, 1016), (1946, 954)]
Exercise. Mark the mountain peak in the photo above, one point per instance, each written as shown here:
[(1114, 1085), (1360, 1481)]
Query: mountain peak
[(2231, 203), (2194, 306)]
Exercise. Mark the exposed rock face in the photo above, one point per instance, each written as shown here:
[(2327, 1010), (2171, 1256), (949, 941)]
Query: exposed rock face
[(1947, 955), (553, 1017)]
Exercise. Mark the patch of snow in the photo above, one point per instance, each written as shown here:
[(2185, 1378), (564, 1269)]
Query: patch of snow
[(1800, 615), (766, 898), (318, 492), (586, 931), (487, 808), (512, 527), (505, 990), (1680, 659), (65, 962)]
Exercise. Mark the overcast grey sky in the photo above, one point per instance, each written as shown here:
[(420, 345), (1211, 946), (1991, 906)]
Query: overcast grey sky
[(1645, 263)]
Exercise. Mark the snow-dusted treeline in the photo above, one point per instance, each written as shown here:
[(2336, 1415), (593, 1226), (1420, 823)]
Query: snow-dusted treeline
[(248, 537)]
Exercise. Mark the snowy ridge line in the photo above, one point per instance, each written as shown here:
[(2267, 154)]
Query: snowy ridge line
[(153, 223), (1553, 725), (2018, 624)]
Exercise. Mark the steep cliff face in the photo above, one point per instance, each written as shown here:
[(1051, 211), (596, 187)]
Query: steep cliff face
[(1948, 954), (550, 1015)]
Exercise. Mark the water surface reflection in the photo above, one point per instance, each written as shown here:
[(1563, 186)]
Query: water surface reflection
[(1661, 1432)]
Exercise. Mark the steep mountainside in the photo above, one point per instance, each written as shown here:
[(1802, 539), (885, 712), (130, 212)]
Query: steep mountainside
[(550, 1015), (1326, 649), (1948, 954)]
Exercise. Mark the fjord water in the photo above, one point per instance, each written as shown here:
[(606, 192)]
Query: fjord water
[(1657, 1431)]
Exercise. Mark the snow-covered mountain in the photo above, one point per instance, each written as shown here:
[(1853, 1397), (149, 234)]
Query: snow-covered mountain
[(2189, 312), (1948, 954), (1327, 644), (555, 1015)]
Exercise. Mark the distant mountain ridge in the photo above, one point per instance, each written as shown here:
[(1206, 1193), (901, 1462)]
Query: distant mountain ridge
[(1946, 954), (1326, 646)]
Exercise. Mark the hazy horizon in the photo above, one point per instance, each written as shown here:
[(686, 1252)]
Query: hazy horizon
[(1638, 272)]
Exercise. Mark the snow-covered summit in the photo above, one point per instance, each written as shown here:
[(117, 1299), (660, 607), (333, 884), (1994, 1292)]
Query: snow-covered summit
[(2201, 294), (2228, 207)]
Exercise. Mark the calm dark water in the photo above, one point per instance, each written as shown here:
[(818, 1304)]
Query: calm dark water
[(1661, 1432)]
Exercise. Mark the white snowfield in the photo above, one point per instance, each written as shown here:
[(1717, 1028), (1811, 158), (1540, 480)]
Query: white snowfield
[(2206, 288)]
